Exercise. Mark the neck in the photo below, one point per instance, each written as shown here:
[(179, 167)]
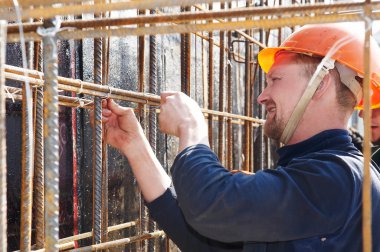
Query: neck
[(316, 120)]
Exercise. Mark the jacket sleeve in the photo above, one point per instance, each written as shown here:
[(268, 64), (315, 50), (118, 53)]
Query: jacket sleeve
[(308, 198), (166, 212)]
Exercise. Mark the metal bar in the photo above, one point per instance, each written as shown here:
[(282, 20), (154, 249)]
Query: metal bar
[(120, 242), (366, 191), (229, 99), (105, 74), (141, 87), (97, 145), (118, 94), (353, 7), (51, 135), (78, 9), (27, 171), (187, 60), (210, 83), (153, 89), (39, 193), (247, 106), (3, 145), (187, 28), (89, 234), (76, 102), (221, 143)]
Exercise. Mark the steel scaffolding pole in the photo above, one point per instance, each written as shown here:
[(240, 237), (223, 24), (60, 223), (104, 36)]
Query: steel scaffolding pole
[(51, 134)]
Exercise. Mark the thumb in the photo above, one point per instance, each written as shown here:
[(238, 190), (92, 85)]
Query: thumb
[(117, 109), (166, 94)]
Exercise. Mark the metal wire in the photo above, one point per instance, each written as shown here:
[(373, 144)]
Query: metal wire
[(3, 146), (51, 136)]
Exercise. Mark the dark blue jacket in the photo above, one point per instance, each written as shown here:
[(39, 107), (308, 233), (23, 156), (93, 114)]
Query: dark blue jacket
[(311, 202)]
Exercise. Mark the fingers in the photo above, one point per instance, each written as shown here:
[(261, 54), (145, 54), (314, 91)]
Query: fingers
[(117, 109)]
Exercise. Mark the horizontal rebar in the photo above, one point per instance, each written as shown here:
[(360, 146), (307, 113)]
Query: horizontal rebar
[(14, 93), (72, 85), (78, 9), (89, 234), (120, 242), (187, 28)]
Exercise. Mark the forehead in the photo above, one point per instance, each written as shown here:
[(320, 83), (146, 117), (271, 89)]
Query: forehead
[(285, 62)]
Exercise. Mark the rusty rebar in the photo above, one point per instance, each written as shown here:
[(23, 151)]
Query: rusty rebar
[(210, 83), (51, 135), (354, 7), (221, 140), (247, 102), (143, 212), (118, 94), (120, 242), (38, 199), (229, 99), (89, 234), (97, 145), (153, 89), (104, 207), (3, 145), (27, 171)]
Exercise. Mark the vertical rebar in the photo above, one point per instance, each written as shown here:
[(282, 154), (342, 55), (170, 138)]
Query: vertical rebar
[(27, 163), (104, 207), (221, 142), (141, 63), (185, 59), (247, 101), (97, 143), (51, 134), (153, 89), (38, 199), (3, 145), (210, 82), (229, 97)]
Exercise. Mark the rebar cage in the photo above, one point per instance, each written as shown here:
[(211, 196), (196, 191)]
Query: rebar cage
[(60, 58)]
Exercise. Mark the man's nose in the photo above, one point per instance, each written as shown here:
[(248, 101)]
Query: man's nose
[(263, 97)]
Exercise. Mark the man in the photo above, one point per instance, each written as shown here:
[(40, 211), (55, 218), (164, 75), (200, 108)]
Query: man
[(310, 202)]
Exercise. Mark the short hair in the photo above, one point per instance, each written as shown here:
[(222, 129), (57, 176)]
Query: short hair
[(345, 98)]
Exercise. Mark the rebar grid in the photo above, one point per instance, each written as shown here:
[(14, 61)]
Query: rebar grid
[(3, 145), (141, 98), (51, 137)]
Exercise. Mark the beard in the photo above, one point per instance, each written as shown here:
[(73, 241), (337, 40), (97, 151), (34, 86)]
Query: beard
[(274, 126)]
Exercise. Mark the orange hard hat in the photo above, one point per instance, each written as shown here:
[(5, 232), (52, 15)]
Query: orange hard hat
[(317, 40)]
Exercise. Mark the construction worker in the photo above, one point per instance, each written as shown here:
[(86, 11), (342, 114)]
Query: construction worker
[(312, 201)]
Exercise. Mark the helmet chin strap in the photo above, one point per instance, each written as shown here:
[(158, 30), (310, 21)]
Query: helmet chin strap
[(322, 70)]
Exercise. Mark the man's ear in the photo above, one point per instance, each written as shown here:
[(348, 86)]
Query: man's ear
[(323, 87)]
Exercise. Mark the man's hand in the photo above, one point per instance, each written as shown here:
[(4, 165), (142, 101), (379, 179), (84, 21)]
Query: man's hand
[(181, 116), (121, 126)]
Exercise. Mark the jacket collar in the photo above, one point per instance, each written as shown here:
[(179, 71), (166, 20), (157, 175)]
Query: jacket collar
[(329, 139)]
